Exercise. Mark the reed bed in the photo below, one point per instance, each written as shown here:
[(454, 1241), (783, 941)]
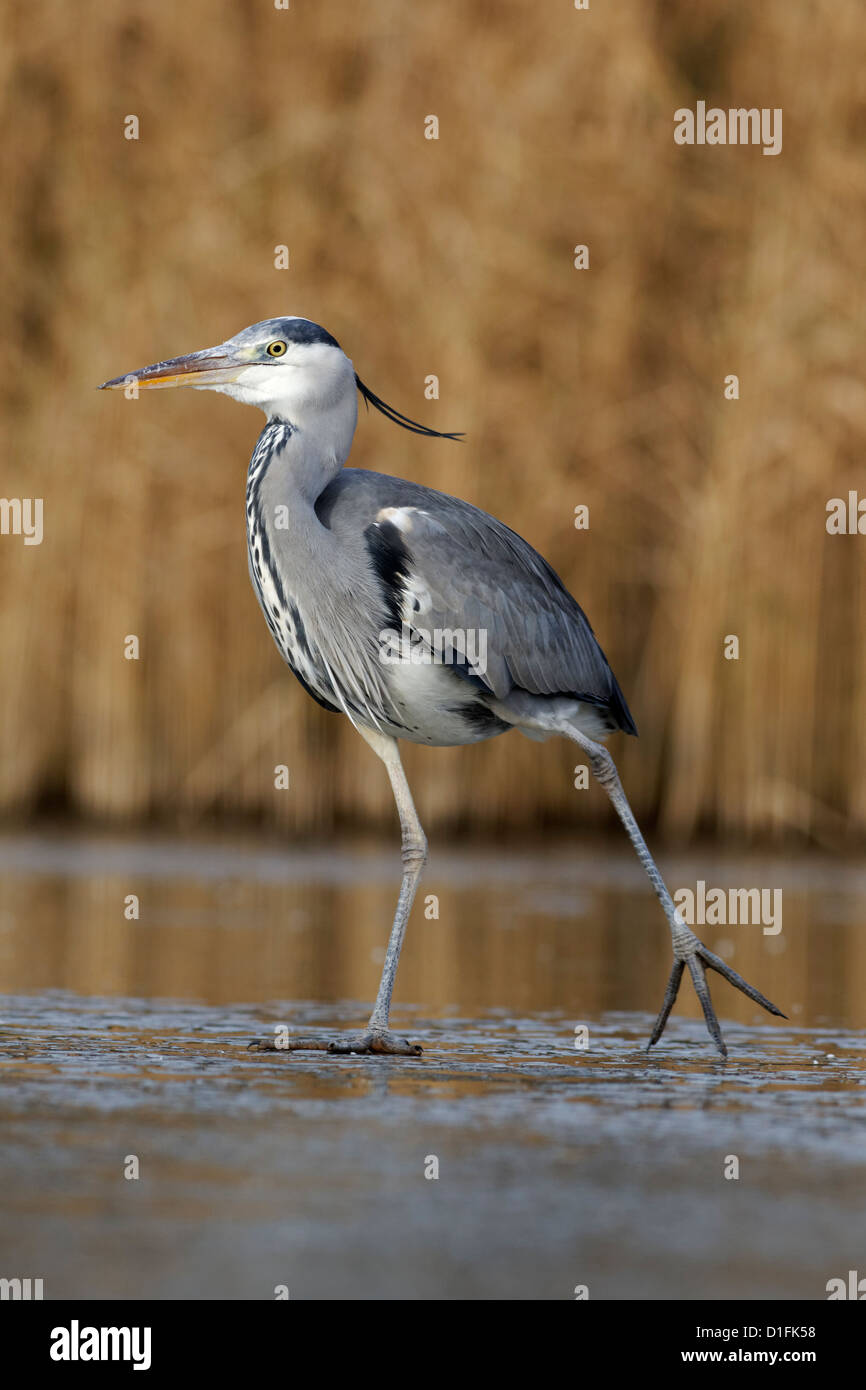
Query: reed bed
[(451, 257)]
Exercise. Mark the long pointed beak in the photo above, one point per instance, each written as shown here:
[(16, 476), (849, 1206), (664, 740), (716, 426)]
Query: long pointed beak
[(212, 367)]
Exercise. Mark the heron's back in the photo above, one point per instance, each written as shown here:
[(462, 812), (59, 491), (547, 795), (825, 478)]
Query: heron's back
[(444, 565)]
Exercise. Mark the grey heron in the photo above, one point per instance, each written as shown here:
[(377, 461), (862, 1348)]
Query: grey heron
[(342, 559)]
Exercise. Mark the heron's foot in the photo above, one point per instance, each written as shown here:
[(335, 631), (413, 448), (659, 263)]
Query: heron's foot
[(372, 1041), (696, 956)]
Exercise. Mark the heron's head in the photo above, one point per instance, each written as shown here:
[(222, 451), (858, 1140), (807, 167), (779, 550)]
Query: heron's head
[(289, 367)]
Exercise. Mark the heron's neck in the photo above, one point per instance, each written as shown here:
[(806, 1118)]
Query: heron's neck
[(307, 447), (290, 470), (298, 468)]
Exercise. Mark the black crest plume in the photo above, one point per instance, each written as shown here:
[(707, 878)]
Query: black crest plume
[(403, 420)]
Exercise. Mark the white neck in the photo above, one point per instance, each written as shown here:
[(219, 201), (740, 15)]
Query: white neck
[(321, 406)]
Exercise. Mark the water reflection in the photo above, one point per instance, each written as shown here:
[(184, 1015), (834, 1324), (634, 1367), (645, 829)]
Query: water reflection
[(573, 931)]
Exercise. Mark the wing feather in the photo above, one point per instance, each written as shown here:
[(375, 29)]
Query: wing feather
[(480, 574)]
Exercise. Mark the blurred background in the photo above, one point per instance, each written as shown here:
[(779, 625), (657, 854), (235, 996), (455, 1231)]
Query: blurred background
[(454, 257)]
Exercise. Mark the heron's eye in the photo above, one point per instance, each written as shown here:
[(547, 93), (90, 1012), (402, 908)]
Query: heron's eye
[(276, 349)]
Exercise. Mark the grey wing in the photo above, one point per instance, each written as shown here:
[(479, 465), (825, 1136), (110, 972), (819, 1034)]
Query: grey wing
[(446, 566)]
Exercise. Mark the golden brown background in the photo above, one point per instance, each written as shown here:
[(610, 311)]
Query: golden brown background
[(306, 127)]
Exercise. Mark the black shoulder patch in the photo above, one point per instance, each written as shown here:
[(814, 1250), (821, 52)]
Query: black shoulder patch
[(392, 563)]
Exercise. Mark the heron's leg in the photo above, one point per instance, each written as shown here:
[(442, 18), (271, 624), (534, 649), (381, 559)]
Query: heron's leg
[(688, 949), (376, 1037), (414, 854)]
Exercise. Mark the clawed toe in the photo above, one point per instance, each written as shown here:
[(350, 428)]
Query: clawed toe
[(700, 957)]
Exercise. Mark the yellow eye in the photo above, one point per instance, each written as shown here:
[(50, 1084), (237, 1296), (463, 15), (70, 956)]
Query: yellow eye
[(276, 349)]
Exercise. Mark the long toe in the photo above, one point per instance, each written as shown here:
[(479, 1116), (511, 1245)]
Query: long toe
[(668, 1002), (716, 963), (286, 1042), (700, 957), (702, 990)]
